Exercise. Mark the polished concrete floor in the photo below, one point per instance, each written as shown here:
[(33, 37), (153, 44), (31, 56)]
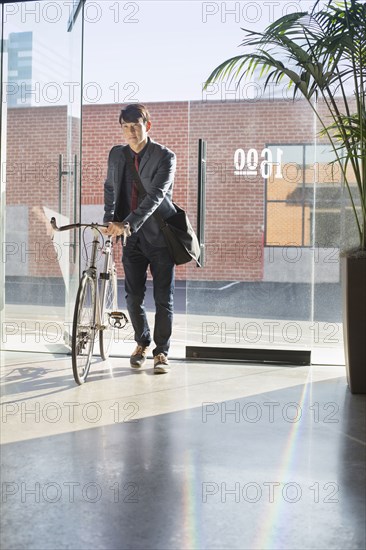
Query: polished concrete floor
[(210, 456)]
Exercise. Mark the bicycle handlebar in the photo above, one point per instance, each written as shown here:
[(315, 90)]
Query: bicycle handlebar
[(126, 232), (74, 225)]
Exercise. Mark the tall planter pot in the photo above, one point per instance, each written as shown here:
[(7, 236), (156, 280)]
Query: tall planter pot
[(353, 275)]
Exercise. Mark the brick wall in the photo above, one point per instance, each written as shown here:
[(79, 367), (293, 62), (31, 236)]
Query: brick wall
[(35, 139), (235, 204)]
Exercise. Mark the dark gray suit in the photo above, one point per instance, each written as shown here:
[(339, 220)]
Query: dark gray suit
[(146, 246), (156, 170)]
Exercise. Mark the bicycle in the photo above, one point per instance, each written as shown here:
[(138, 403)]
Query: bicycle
[(96, 308)]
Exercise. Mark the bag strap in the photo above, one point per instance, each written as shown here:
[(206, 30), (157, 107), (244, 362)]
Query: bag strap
[(140, 187)]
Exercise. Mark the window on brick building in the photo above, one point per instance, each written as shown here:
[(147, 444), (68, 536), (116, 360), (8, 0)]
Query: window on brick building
[(305, 199)]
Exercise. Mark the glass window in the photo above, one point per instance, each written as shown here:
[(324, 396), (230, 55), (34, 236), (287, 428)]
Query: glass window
[(307, 186)]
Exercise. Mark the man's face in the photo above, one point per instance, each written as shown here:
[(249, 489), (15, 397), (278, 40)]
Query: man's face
[(135, 133)]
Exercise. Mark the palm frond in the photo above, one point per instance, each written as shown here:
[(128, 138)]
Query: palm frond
[(319, 53)]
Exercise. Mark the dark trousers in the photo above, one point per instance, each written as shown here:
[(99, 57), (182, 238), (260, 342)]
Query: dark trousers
[(138, 254)]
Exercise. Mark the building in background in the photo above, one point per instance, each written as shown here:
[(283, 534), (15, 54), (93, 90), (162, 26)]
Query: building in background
[(19, 47)]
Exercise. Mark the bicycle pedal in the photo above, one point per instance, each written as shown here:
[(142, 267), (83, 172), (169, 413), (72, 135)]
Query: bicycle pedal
[(118, 317)]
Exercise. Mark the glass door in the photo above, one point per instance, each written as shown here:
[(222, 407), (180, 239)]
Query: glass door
[(269, 289), (41, 137)]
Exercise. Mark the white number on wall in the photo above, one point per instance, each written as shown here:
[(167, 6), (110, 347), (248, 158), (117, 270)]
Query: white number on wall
[(248, 164)]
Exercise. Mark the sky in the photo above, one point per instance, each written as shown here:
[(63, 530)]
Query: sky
[(138, 50)]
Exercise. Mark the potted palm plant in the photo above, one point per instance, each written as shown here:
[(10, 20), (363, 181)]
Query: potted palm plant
[(322, 55)]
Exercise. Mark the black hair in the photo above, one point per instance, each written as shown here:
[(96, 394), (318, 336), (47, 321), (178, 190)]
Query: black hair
[(133, 112)]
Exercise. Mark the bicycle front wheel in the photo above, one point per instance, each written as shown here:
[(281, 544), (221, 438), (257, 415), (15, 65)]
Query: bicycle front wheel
[(83, 330), (109, 296)]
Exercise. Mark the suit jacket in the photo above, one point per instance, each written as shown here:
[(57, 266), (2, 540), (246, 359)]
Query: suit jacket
[(156, 170)]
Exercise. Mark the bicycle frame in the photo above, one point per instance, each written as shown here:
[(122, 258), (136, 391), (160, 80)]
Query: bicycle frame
[(96, 306), (92, 272)]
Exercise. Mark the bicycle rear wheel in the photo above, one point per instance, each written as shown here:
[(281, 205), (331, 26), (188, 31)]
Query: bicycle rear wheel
[(83, 330), (108, 293)]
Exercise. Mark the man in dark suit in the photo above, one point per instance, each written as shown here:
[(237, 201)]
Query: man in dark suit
[(146, 246)]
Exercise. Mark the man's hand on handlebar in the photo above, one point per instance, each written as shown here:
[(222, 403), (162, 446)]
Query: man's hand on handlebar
[(116, 229)]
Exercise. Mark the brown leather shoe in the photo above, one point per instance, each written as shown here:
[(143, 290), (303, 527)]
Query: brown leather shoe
[(161, 365), (138, 357)]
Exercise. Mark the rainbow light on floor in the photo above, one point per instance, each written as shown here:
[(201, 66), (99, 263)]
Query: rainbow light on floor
[(268, 535), (192, 503)]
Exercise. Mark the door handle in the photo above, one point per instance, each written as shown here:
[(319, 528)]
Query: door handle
[(201, 202), (61, 174)]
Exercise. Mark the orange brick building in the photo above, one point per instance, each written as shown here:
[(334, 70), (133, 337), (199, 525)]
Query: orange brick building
[(240, 217)]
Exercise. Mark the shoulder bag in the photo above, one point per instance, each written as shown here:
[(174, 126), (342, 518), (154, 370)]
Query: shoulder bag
[(178, 232)]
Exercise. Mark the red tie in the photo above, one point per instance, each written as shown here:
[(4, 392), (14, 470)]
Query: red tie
[(135, 194)]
